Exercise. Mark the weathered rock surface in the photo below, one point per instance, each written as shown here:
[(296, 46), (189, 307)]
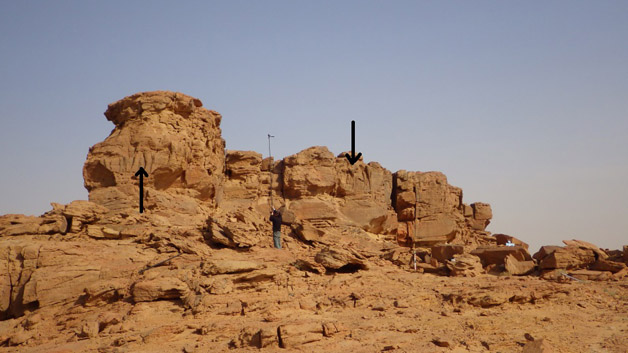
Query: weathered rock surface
[(296, 335), (517, 267), (197, 272), (238, 229), (567, 258), (600, 254), (503, 239), (497, 255), (215, 267), (158, 288), (340, 260), (440, 215), (464, 265), (606, 265), (181, 171), (538, 346), (444, 252), (40, 273), (544, 251), (13, 224)]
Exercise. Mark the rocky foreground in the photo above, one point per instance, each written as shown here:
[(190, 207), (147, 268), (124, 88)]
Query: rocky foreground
[(372, 260)]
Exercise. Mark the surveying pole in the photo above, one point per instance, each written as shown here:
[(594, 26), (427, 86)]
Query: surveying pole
[(270, 173), (416, 201)]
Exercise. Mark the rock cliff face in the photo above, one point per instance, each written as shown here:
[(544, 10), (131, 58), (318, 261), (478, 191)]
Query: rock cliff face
[(191, 178)]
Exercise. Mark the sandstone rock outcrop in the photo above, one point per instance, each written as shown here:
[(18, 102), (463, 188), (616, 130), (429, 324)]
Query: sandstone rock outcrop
[(440, 215), (42, 273), (175, 139), (197, 272)]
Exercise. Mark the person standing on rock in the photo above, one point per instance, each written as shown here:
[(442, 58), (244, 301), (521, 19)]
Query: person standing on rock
[(275, 218)]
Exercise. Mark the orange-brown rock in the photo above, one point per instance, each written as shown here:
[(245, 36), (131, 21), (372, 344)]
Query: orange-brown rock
[(429, 190), (197, 271), (441, 216), (243, 173), (158, 288), (599, 253), (310, 172), (335, 259), (589, 275), (517, 267), (41, 273), (482, 214), (14, 224), (607, 265), (465, 265), (241, 228), (538, 346), (502, 239), (544, 251), (497, 255), (567, 258), (296, 335), (182, 170), (444, 252)]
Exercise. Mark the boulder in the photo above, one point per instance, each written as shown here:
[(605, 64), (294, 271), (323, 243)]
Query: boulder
[(14, 224), (607, 265), (517, 267), (309, 233), (482, 211), (287, 217), (600, 254), (444, 252), (340, 260), (464, 265), (239, 228), (102, 232), (625, 253), (567, 258), (158, 288), (544, 251), (308, 173), (482, 214), (80, 213), (538, 346), (497, 255), (295, 335), (502, 239)]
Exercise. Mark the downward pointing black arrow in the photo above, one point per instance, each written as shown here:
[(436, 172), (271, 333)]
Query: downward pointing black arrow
[(141, 173), (353, 158)]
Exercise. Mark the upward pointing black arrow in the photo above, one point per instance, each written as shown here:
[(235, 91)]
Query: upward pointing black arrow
[(141, 173), (353, 158)]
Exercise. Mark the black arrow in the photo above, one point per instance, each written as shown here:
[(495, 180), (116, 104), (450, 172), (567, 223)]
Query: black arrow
[(353, 158), (141, 173)]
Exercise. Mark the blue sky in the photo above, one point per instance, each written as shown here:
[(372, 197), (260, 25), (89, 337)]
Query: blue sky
[(521, 104)]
